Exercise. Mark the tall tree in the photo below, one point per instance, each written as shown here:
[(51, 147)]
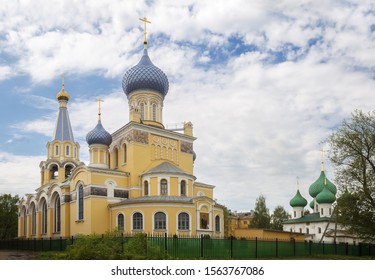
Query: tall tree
[(8, 216), (352, 152), (278, 216), (262, 217)]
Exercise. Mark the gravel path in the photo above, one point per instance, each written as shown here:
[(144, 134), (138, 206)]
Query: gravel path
[(16, 255)]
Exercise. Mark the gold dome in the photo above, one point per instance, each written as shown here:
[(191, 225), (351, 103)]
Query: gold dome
[(63, 95)]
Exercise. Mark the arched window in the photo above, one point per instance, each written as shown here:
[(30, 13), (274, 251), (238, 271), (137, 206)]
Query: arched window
[(146, 187), (54, 171), (183, 221), (56, 150), (120, 222), (115, 158), (68, 170), (44, 217), (163, 187), (183, 188), (160, 221), (80, 202), (67, 150), (33, 219), (57, 217), (124, 153), (137, 221), (154, 112), (142, 110), (24, 214), (217, 223)]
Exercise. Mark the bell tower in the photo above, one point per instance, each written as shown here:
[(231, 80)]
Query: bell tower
[(62, 151)]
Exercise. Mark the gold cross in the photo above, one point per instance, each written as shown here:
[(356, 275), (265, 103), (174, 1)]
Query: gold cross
[(145, 32), (62, 80), (99, 100)]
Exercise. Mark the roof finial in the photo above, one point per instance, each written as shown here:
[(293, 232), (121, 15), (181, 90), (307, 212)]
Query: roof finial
[(62, 80), (99, 112), (322, 150), (297, 183), (145, 32)]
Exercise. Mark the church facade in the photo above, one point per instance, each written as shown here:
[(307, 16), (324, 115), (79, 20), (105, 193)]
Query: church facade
[(140, 178), (321, 224)]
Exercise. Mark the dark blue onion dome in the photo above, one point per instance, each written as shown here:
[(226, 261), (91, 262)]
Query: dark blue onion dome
[(99, 136), (146, 76)]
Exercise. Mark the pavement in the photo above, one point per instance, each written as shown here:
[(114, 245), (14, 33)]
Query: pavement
[(16, 255)]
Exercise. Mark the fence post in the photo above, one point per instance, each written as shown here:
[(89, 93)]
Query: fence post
[(335, 244), (360, 249), (72, 240), (256, 247), (50, 243), (42, 244), (347, 248), (201, 245), (310, 242), (231, 246), (277, 248), (34, 244), (323, 247), (165, 243), (60, 243), (122, 243)]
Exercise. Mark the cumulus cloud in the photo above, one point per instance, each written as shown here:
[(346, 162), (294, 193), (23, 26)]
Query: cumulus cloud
[(19, 174), (263, 82)]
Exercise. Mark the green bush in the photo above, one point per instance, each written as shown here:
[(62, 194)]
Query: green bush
[(111, 246), (137, 248), (96, 247)]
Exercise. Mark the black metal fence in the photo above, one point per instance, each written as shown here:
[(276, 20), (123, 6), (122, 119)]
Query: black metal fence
[(207, 248)]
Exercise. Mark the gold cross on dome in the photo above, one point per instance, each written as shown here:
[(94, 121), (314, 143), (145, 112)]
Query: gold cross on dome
[(62, 80), (322, 150), (99, 100), (145, 21)]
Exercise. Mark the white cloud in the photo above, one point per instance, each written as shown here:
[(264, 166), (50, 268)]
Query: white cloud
[(19, 174), (259, 119), (5, 72)]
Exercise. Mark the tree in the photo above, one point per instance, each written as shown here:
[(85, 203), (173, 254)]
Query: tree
[(352, 152), (8, 216), (278, 217), (262, 217)]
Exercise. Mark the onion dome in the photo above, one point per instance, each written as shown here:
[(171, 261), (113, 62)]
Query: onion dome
[(318, 185), (99, 136), (63, 95), (146, 76), (298, 200), (312, 204), (325, 196)]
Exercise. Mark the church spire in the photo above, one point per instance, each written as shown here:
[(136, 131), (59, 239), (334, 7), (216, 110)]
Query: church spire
[(63, 129)]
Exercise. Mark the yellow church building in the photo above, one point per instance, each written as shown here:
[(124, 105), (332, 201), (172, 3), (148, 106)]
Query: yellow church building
[(140, 178)]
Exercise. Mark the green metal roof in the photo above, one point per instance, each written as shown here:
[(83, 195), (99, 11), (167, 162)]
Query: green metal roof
[(318, 185), (314, 217), (166, 168), (298, 200), (325, 196)]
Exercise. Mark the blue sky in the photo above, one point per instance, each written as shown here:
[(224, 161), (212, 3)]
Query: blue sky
[(263, 82)]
